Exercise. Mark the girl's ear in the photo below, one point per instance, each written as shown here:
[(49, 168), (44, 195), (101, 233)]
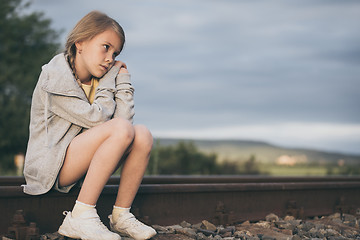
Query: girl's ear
[(79, 46)]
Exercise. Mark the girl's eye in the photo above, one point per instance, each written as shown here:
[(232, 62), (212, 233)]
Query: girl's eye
[(106, 47)]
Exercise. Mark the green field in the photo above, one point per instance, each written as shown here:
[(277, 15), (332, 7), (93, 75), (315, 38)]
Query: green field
[(301, 170)]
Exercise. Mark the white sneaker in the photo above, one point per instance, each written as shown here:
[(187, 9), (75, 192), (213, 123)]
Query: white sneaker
[(128, 225), (87, 226)]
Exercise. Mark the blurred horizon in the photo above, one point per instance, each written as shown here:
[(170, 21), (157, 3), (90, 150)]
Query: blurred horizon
[(281, 72)]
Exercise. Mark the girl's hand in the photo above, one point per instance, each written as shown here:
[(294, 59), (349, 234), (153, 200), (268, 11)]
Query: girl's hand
[(122, 65)]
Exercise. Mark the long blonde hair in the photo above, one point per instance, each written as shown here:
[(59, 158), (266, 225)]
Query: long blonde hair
[(87, 28)]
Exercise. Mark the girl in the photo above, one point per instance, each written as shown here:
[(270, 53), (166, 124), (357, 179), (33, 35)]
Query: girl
[(81, 129)]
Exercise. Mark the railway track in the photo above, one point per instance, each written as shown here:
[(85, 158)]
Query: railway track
[(167, 200)]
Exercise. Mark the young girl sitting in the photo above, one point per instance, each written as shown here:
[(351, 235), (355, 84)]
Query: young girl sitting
[(81, 131)]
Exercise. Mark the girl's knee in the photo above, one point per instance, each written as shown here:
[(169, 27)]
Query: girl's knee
[(143, 137), (123, 129)]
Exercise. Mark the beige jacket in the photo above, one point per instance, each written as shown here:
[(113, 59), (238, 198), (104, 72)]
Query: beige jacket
[(60, 110)]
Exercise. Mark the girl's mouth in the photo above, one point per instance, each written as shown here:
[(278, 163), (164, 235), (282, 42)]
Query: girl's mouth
[(104, 67)]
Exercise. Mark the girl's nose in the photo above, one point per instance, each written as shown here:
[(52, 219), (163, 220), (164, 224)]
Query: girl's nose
[(109, 58)]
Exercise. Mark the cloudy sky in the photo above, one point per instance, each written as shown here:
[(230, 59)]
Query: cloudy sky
[(285, 72)]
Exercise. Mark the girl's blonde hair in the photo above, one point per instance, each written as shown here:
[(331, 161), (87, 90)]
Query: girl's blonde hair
[(87, 28)]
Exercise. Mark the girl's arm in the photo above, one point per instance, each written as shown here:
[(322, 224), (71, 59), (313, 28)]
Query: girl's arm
[(124, 96), (79, 111)]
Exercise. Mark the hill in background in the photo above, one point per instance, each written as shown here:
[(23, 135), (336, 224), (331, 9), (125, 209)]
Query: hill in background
[(241, 150)]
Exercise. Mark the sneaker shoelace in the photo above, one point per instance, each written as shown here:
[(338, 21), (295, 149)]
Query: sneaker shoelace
[(133, 222), (95, 219)]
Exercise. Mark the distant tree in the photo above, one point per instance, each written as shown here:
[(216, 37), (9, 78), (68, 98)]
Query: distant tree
[(183, 158), (228, 168), (251, 166), (26, 43)]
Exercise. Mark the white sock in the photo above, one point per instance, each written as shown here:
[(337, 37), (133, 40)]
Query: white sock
[(80, 207), (117, 211)]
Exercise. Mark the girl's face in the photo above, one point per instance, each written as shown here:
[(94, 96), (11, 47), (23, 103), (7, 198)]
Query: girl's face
[(97, 55)]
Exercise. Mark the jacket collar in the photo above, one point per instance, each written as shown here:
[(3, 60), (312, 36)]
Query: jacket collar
[(60, 79)]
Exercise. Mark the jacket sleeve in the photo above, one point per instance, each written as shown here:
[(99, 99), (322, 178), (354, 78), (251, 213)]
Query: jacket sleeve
[(79, 111), (124, 97)]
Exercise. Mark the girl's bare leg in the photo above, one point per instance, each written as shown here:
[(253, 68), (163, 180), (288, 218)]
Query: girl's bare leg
[(96, 153), (121, 220), (134, 167)]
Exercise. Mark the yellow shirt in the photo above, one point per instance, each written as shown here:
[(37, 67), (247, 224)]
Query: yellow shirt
[(90, 89)]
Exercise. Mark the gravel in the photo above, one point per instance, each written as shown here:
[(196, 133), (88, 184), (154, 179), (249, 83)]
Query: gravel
[(333, 227), (273, 227)]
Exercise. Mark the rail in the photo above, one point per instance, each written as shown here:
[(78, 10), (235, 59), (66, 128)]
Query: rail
[(167, 200)]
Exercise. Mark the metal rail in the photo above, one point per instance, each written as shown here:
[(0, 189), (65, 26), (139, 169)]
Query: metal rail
[(180, 179), (167, 200)]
